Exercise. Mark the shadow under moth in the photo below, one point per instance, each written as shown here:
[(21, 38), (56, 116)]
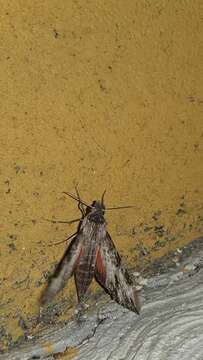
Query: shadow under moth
[(92, 254)]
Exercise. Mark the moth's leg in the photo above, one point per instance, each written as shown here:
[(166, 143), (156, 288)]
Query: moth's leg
[(80, 205), (62, 221), (81, 208)]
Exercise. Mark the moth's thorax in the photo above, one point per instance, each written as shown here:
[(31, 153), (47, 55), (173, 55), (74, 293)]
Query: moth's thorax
[(93, 229)]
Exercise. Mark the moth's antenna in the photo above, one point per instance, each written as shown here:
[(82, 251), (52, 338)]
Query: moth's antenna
[(122, 207), (102, 198), (77, 199)]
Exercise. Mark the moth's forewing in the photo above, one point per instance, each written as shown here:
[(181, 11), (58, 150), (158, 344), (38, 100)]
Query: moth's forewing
[(114, 277), (63, 271), (85, 269)]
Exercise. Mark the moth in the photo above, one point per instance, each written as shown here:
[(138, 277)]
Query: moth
[(92, 254)]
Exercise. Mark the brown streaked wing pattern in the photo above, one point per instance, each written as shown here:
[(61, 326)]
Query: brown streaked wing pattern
[(114, 277), (85, 269), (64, 269)]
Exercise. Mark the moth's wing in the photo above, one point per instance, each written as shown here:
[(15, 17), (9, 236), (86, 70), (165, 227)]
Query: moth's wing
[(64, 269), (84, 272), (114, 277)]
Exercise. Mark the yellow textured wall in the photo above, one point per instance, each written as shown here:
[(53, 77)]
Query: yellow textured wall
[(106, 94)]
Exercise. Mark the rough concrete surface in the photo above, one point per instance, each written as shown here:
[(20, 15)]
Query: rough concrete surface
[(170, 325)]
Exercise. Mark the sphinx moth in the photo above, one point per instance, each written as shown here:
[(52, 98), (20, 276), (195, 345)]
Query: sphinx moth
[(92, 254)]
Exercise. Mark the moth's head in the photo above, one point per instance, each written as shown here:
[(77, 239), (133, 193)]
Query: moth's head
[(98, 206), (96, 211)]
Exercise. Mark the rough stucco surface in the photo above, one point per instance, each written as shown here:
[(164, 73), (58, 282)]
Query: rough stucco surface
[(105, 94)]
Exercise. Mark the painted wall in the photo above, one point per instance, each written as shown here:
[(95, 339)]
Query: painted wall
[(106, 95)]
